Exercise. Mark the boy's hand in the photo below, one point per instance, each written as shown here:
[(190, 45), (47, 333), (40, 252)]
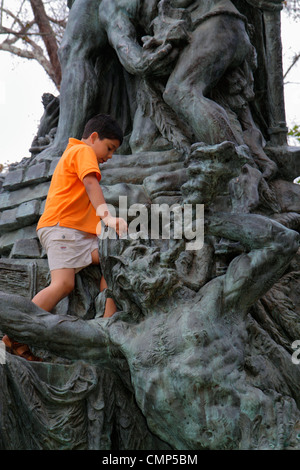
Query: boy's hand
[(96, 197), (117, 223)]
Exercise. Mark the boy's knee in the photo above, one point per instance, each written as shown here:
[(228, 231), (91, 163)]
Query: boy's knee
[(65, 286), (69, 286)]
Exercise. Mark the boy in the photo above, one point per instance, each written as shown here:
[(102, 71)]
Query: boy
[(74, 206)]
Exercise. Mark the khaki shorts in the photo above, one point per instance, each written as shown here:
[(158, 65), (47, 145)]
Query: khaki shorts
[(67, 247)]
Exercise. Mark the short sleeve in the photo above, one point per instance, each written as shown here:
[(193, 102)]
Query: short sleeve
[(85, 162)]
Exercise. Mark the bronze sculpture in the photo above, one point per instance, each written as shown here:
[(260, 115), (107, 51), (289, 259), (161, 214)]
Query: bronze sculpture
[(201, 347)]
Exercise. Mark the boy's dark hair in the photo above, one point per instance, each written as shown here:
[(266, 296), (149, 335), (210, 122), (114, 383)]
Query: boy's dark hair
[(105, 126)]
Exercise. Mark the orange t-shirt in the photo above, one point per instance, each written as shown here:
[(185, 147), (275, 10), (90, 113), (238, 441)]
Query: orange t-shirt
[(67, 201)]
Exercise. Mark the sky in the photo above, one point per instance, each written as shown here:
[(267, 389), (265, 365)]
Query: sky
[(23, 82)]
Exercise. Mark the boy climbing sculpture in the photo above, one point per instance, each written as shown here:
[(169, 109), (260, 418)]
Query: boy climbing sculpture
[(187, 355), (204, 373), (74, 206)]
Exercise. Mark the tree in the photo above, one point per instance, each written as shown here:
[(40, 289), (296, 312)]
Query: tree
[(295, 133), (33, 29), (292, 7)]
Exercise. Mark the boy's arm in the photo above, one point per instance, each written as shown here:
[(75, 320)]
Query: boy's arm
[(97, 199)]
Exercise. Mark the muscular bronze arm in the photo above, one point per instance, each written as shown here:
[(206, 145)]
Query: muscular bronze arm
[(117, 18), (66, 336), (270, 247)]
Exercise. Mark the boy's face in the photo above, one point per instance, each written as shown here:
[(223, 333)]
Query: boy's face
[(103, 148)]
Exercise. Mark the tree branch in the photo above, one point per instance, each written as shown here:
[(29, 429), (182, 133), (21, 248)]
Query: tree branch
[(36, 54), (14, 17), (62, 23), (48, 37), (16, 25), (294, 61)]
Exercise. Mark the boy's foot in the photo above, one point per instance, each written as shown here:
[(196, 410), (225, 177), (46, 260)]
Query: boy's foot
[(19, 349)]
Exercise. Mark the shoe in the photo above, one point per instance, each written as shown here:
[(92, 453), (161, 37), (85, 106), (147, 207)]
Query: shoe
[(19, 349)]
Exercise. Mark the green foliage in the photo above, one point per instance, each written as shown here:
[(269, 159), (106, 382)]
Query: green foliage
[(295, 132)]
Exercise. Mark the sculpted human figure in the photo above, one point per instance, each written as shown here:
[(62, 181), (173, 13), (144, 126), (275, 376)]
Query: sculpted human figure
[(83, 44), (188, 359), (218, 41), (197, 372)]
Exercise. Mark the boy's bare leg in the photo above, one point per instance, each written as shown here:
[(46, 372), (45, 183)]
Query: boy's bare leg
[(62, 284), (110, 306)]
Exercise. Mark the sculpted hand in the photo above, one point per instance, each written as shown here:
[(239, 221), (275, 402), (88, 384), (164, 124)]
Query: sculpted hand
[(155, 62)]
